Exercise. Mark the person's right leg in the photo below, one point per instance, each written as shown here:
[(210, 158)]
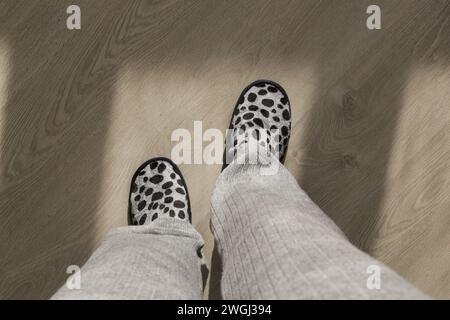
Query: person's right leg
[(159, 255), (274, 242)]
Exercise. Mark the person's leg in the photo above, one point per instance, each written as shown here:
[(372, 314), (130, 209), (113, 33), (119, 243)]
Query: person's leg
[(159, 257), (274, 242)]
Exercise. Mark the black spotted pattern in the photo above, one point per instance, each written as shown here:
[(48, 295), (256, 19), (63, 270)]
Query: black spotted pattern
[(158, 191), (263, 106)]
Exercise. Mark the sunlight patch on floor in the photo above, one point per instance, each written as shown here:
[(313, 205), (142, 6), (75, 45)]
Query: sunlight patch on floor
[(4, 75)]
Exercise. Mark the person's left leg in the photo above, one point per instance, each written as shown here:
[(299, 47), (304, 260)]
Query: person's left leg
[(159, 257)]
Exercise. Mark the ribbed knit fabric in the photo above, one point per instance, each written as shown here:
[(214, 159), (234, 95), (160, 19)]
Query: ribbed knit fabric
[(275, 243), (155, 261)]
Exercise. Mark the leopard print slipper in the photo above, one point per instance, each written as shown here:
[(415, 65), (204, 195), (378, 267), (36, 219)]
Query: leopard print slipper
[(262, 105), (158, 189)]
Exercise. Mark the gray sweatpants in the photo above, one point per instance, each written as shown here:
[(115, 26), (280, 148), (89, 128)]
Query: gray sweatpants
[(274, 243)]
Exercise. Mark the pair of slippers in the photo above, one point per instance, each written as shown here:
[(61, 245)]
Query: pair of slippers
[(158, 187)]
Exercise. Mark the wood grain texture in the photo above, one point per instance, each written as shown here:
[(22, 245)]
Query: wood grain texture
[(80, 110)]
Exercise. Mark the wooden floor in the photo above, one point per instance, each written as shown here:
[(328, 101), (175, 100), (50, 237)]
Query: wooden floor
[(80, 110)]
